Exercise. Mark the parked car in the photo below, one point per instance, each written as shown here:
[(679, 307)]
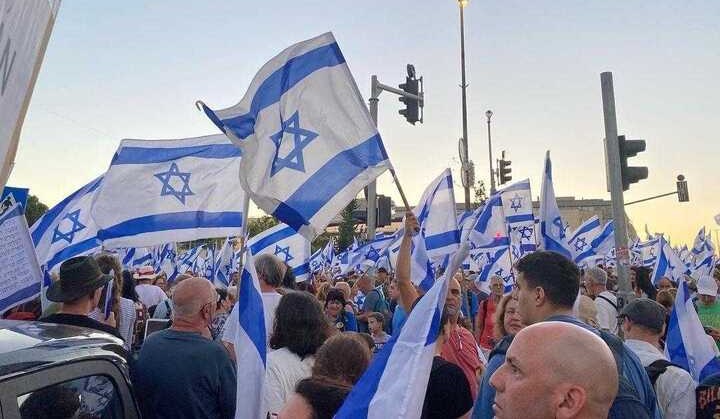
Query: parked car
[(52, 370)]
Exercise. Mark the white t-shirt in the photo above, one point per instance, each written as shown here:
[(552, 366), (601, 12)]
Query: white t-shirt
[(270, 302), (150, 295), (607, 313), (284, 370)]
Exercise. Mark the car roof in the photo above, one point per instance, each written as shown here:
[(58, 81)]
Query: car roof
[(26, 345)]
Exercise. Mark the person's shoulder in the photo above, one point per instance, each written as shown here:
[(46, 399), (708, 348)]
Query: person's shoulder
[(447, 369)]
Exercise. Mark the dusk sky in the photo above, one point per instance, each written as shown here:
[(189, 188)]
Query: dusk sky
[(134, 69)]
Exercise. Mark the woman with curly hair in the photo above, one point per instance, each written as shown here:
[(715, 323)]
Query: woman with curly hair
[(337, 313), (122, 310), (299, 329)]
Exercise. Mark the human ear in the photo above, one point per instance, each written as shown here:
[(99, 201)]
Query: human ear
[(574, 399)]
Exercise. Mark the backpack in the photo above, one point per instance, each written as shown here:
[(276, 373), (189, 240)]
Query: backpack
[(656, 369)]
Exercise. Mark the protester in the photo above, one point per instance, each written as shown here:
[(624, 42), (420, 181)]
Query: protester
[(547, 285), (122, 308), (314, 398), (345, 288), (587, 311), (150, 295), (164, 309), (643, 285), (665, 284), (546, 374), (299, 329), (375, 324), (373, 302), (225, 303), (448, 391), (595, 280), (643, 326), (507, 319), (486, 314), (322, 291), (181, 372), (336, 312), (708, 308), (161, 281), (343, 359), (78, 291), (289, 282), (399, 315)]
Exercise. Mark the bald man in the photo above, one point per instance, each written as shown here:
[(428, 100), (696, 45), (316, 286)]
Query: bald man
[(181, 372), (546, 374)]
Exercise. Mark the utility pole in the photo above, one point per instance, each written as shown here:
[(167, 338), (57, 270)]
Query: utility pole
[(612, 154), (463, 86), (488, 115)]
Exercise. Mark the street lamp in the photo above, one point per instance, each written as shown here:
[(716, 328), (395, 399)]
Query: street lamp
[(463, 86), (489, 115)]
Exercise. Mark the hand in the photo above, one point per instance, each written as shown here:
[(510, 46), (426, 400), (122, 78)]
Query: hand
[(110, 321), (412, 227)]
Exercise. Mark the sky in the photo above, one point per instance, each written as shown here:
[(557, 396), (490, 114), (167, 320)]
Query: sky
[(134, 69)]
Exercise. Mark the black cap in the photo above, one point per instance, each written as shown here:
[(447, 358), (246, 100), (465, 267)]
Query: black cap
[(645, 312)]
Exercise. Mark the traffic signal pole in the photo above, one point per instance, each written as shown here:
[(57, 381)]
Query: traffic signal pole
[(612, 154)]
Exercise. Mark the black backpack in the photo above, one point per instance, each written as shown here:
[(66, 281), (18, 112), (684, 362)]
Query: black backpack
[(656, 369)]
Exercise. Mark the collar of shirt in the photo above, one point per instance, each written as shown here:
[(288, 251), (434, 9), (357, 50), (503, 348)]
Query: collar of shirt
[(645, 351)]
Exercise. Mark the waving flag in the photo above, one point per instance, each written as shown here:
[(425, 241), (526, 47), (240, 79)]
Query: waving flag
[(308, 138), (687, 344), (600, 245), (436, 215), (493, 262), (165, 260), (394, 384), (667, 263), (582, 236), (170, 190), (490, 229), (552, 228), (225, 265), (517, 207), (186, 262), (142, 256), (285, 243), (250, 344)]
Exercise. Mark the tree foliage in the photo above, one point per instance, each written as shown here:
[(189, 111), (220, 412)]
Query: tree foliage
[(258, 225), (346, 229), (479, 194), (34, 209)]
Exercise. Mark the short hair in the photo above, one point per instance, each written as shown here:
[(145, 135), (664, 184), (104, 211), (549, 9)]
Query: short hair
[(363, 338), (377, 316), (56, 401), (268, 269), (598, 276), (554, 273), (342, 358), (324, 398), (300, 324)]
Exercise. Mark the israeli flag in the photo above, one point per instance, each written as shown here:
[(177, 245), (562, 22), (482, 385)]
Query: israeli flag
[(317, 261), (704, 267), (494, 262), (667, 263), (285, 243), (226, 262), (371, 251), (186, 262), (648, 252), (687, 344), (552, 229), (517, 206), (329, 252), (170, 190), (466, 221), (490, 229), (702, 247), (582, 236), (394, 384), (250, 345), (309, 142), (165, 260), (67, 229), (600, 245), (142, 256), (436, 215)]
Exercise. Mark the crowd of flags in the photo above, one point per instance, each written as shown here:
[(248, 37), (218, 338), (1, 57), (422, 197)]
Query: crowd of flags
[(303, 144)]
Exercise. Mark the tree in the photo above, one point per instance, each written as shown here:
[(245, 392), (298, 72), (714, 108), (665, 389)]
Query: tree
[(479, 193), (258, 225), (346, 229), (34, 209)]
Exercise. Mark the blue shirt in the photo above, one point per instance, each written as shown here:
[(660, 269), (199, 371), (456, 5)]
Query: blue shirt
[(398, 319), (184, 375)]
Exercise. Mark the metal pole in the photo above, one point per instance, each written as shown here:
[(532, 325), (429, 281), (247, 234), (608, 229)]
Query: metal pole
[(492, 174), (652, 197), (612, 151), (464, 101), (372, 186)]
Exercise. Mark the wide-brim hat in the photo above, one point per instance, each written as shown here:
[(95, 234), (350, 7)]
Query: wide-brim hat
[(145, 273), (79, 276)]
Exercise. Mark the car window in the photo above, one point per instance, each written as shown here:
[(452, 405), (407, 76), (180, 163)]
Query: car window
[(89, 397)]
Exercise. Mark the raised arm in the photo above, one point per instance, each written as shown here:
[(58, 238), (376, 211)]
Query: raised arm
[(408, 293)]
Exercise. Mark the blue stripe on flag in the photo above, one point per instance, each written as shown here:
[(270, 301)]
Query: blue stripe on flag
[(280, 81), (281, 234), (335, 175), (519, 218), (249, 304), (172, 221), (674, 342), (441, 240), (18, 296), (303, 269), (73, 250), (145, 155)]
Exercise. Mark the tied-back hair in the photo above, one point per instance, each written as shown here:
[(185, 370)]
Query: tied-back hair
[(300, 324), (107, 263), (554, 273)]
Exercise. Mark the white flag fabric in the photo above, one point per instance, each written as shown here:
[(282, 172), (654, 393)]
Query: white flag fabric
[(25, 28), (158, 191), (225, 265), (307, 137), (490, 229), (517, 208), (600, 244), (250, 344), (394, 384), (582, 236), (285, 243), (552, 229), (436, 215), (667, 263), (186, 262)]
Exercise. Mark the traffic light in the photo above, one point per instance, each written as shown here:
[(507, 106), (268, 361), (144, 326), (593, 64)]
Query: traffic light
[(412, 106), (630, 174), (504, 170), (682, 189)]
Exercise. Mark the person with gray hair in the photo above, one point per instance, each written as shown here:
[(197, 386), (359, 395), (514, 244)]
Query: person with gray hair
[(595, 281)]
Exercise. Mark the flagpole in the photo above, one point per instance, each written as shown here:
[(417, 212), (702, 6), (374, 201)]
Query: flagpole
[(244, 229)]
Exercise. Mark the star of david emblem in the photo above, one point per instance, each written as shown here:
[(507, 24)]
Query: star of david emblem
[(580, 244), (179, 189), (516, 252), (516, 202), (300, 139), (372, 254), (285, 251), (69, 236), (557, 222), (525, 232)]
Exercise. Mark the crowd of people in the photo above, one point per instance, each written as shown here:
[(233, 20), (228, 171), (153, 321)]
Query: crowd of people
[(548, 348)]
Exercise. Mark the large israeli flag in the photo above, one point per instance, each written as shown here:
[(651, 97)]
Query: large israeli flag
[(687, 344), (250, 345), (170, 190), (285, 243), (436, 215), (667, 263), (307, 137), (552, 229), (67, 229), (517, 207), (394, 384)]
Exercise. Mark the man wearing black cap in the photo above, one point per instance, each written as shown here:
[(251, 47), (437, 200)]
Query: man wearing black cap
[(78, 290), (643, 325)]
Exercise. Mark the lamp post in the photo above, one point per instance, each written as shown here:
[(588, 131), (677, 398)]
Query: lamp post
[(489, 115), (463, 86)]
